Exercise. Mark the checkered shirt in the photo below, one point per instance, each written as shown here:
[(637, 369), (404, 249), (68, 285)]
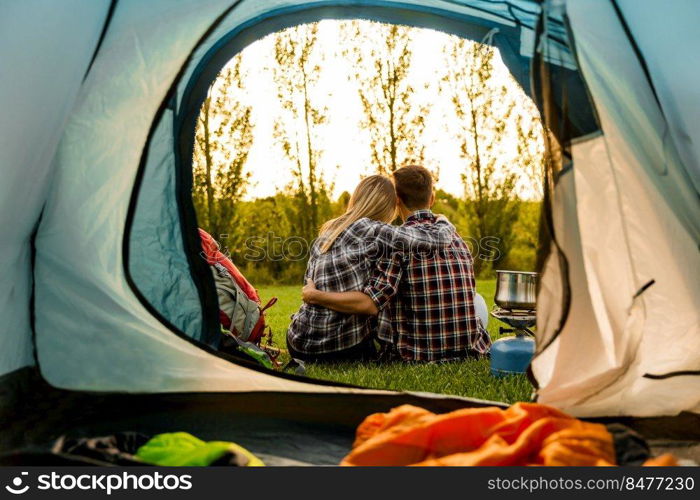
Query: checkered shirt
[(347, 266), (432, 315)]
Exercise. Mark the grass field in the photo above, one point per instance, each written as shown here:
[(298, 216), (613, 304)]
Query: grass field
[(467, 378)]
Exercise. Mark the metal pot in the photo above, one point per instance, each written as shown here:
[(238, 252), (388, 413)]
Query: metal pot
[(516, 290)]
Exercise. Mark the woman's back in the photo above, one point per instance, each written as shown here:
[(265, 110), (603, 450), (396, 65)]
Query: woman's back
[(346, 266)]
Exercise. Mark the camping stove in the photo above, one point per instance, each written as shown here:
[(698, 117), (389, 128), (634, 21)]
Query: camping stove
[(512, 354), (519, 321)]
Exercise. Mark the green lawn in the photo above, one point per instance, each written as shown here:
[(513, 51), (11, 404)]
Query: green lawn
[(468, 378)]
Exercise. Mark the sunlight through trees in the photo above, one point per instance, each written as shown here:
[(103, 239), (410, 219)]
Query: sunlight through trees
[(295, 113)]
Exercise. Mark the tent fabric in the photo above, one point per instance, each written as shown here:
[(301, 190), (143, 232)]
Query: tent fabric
[(95, 334), (247, 22), (156, 250), (40, 81), (243, 24), (630, 99), (119, 302), (627, 337), (282, 428), (668, 45)]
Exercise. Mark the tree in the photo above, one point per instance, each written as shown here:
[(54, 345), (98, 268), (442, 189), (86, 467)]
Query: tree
[(223, 138), (484, 110), (382, 55), (531, 151), (295, 74)]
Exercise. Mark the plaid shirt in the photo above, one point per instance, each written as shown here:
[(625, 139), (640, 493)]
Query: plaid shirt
[(347, 266), (433, 317)]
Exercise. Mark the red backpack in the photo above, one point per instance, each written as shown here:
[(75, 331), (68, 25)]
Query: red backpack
[(239, 303)]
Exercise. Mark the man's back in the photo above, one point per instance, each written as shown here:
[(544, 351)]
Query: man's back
[(432, 315)]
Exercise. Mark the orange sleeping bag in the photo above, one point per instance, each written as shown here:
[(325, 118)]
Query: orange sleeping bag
[(524, 434)]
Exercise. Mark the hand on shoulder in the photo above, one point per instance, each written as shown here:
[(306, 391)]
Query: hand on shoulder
[(308, 292), (441, 218)]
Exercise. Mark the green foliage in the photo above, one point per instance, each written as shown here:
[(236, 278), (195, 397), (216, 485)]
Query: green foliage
[(265, 242), (522, 249), (223, 137), (523, 253)]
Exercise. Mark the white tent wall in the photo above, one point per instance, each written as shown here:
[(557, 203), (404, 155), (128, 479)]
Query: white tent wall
[(630, 235), (45, 49), (557, 366), (589, 352)]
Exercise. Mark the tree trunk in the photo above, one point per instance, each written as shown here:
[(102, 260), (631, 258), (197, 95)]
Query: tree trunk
[(208, 163), (313, 199)]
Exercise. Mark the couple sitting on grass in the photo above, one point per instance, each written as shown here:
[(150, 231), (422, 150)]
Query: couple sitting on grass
[(408, 289)]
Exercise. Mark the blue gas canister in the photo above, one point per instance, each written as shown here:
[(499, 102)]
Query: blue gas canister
[(511, 355)]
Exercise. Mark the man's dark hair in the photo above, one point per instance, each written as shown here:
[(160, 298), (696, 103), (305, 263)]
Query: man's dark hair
[(414, 186)]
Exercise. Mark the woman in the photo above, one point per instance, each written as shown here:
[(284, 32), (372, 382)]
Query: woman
[(342, 259)]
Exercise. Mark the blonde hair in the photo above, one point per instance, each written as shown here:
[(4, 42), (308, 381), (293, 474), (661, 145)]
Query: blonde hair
[(374, 198)]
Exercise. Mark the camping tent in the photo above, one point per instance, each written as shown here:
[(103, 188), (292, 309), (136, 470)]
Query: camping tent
[(100, 287)]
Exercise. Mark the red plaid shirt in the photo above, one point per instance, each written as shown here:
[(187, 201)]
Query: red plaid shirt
[(432, 317), (347, 266)]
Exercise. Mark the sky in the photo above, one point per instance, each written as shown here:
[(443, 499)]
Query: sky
[(346, 156)]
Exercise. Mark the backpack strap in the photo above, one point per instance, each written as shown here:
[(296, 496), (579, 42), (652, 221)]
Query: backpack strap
[(258, 330), (269, 304)]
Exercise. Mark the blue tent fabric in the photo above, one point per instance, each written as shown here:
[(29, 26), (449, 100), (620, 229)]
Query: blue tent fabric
[(157, 255), (97, 127), (239, 27)]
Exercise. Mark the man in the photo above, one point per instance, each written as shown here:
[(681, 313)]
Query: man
[(432, 316)]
